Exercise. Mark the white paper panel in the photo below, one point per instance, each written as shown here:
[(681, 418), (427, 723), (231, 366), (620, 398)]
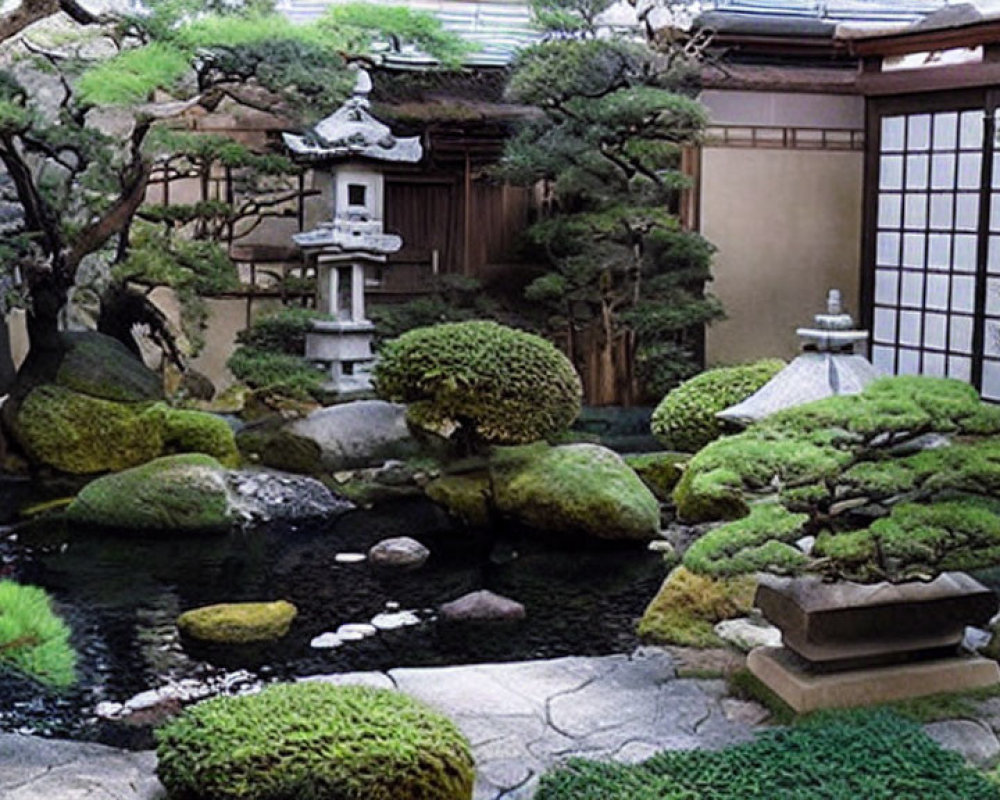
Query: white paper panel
[(935, 331), (909, 328), (943, 171), (918, 132), (961, 335), (963, 293), (891, 173), (909, 362), (915, 217), (939, 251), (993, 256), (941, 211), (971, 137), (934, 365), (885, 324), (917, 172), (991, 380), (991, 339), (937, 292), (892, 132), (890, 210), (914, 245), (970, 170), (945, 130), (960, 368), (964, 258), (886, 286), (993, 297), (887, 245), (967, 212), (883, 358), (912, 293)]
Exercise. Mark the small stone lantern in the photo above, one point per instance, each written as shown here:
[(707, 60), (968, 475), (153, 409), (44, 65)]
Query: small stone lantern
[(352, 142)]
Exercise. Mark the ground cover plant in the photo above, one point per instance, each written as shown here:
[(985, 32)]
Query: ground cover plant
[(312, 740), (34, 642), (481, 382), (874, 755), (884, 501)]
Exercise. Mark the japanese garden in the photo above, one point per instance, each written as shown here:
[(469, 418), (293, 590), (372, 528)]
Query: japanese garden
[(570, 399)]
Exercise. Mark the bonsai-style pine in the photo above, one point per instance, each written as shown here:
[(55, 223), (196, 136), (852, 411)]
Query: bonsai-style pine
[(901, 482), (481, 382), (313, 740), (614, 117)]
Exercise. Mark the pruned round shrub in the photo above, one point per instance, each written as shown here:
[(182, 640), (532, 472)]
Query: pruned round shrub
[(314, 740), (275, 372), (685, 419), (501, 385), (34, 641)]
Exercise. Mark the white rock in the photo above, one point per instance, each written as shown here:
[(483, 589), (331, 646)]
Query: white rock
[(746, 634), (391, 621), (108, 710), (349, 558), (355, 631), (326, 641)]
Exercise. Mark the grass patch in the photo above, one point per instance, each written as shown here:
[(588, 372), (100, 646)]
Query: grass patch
[(847, 755)]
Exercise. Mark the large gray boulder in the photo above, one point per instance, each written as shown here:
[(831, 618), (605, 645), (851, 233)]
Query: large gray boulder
[(364, 433)]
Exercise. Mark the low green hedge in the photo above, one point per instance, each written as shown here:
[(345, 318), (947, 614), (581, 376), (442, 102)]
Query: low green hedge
[(685, 419), (314, 741), (863, 755)]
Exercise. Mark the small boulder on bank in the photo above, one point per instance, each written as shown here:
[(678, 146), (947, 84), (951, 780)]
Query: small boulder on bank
[(238, 623), (341, 437), (399, 552), (481, 606), (578, 488), (194, 493)]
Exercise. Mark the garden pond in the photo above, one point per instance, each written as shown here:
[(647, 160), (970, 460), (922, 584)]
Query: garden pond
[(121, 596)]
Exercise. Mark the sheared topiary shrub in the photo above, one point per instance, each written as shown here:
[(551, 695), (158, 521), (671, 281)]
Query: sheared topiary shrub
[(874, 755), (497, 384), (853, 472), (275, 372), (685, 419), (33, 640), (309, 741)]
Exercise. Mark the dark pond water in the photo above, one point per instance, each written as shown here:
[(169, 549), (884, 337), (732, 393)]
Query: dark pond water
[(122, 595)]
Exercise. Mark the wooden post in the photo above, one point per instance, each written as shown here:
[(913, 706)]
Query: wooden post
[(466, 264)]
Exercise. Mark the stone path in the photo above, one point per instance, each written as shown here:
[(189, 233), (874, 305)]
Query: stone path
[(522, 719)]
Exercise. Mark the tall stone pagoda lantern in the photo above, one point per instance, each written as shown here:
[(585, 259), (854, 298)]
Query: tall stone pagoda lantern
[(353, 145)]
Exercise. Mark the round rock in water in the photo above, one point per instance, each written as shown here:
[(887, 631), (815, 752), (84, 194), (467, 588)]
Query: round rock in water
[(401, 551), (481, 606), (238, 623)]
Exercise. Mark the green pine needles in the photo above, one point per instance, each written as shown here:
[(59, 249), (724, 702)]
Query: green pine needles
[(34, 642), (874, 755)]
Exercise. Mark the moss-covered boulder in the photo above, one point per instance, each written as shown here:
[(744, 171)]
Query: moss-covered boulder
[(491, 382), (467, 497), (100, 366), (313, 740), (687, 607), (238, 623), (34, 641), (185, 493), (578, 488), (81, 434), (685, 419), (659, 471)]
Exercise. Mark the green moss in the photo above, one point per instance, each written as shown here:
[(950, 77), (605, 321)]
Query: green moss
[(80, 434), (466, 497), (505, 386), (184, 493), (33, 640), (270, 442), (747, 686), (101, 366), (761, 541), (573, 488), (685, 419), (198, 432), (238, 623), (687, 607), (875, 755), (313, 740), (659, 471)]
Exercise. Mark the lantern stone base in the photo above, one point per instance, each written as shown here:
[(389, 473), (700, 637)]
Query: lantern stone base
[(785, 675), (344, 351)]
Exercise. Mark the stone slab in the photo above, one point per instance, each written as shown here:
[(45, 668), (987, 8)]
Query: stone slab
[(776, 668)]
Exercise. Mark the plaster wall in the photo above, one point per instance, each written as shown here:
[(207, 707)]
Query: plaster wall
[(18, 332), (787, 225), (784, 109)]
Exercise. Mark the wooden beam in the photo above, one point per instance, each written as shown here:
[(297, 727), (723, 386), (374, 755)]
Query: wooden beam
[(922, 41), (929, 79)]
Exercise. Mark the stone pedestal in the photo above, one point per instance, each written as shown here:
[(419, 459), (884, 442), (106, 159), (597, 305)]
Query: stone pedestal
[(846, 643), (344, 350)]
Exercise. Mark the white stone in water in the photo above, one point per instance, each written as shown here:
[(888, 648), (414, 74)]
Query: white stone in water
[(391, 621), (108, 710), (355, 631), (349, 558), (326, 641), (392, 605)]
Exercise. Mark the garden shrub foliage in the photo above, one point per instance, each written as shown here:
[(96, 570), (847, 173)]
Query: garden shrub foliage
[(873, 755), (34, 641), (500, 385), (309, 741), (685, 419), (845, 470)]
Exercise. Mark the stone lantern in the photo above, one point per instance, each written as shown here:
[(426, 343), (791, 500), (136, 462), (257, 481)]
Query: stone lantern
[(353, 145)]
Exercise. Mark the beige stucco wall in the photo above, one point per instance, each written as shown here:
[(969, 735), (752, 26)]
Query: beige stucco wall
[(787, 225), (18, 336)]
